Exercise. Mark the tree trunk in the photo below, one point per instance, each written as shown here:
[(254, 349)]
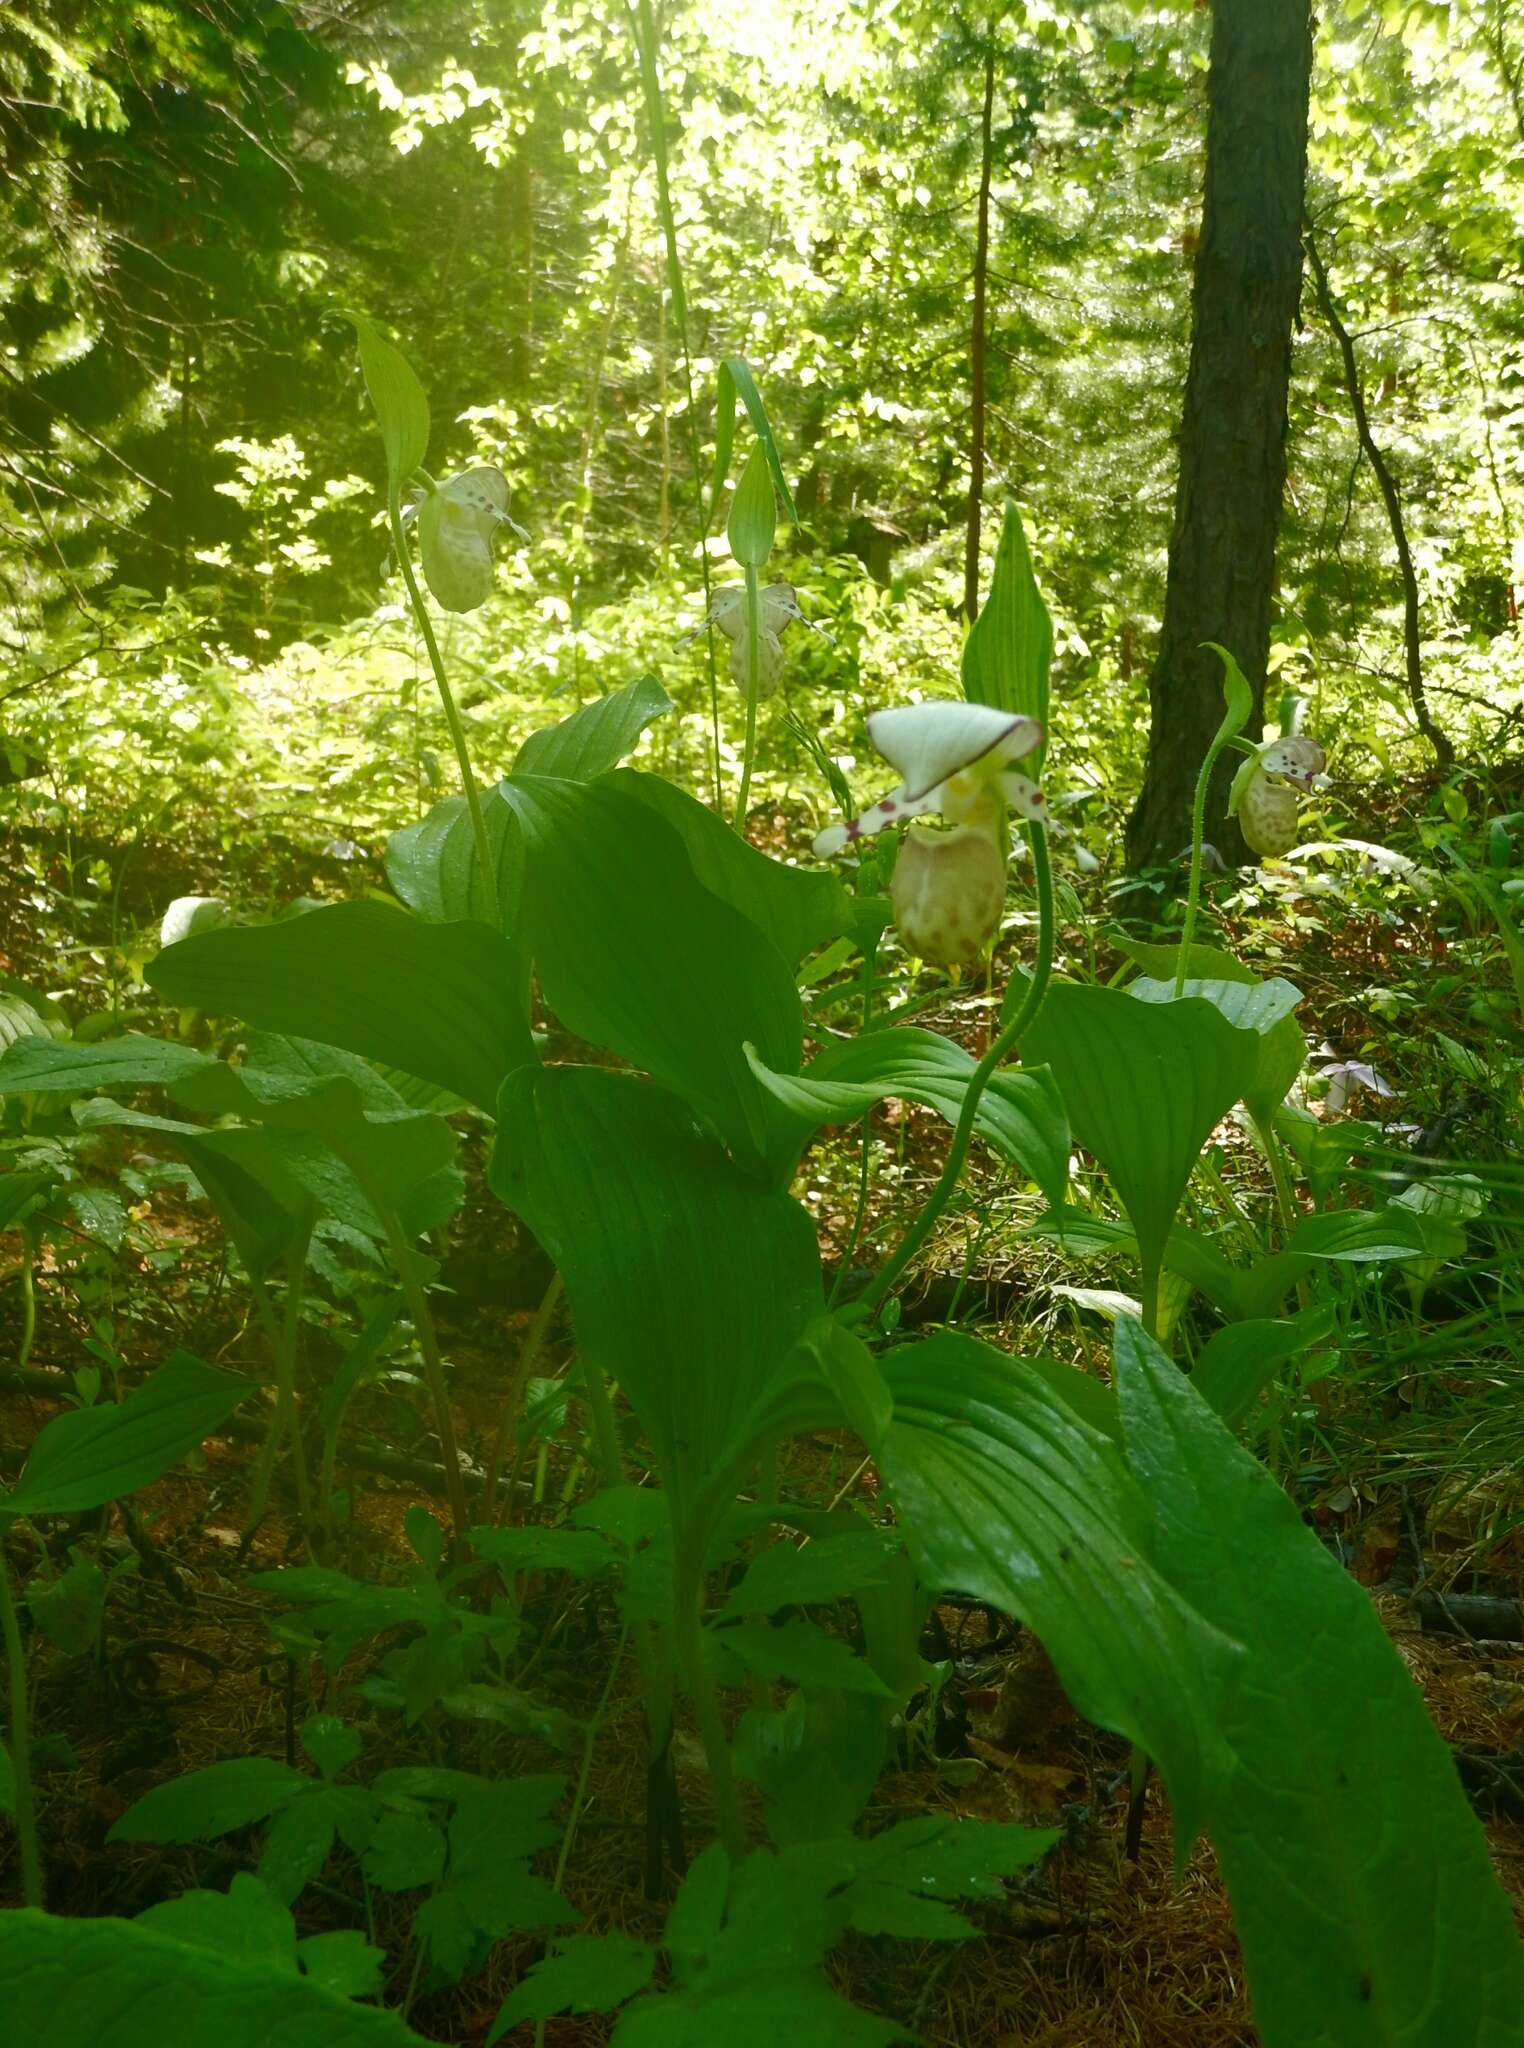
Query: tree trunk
[(976, 350), (1233, 431)]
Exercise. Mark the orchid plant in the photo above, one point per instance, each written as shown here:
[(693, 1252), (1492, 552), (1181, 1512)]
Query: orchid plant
[(655, 1166)]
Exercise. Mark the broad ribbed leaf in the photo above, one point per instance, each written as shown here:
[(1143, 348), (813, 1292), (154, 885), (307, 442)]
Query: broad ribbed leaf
[(34, 1066), (689, 1283), (1004, 1492), (1020, 1113), (1360, 1879), (798, 908), (636, 955), (1262, 1006), (72, 1981), (597, 736), (1145, 1084), (401, 407), (1010, 645), (444, 1002), (434, 869), (89, 1456)]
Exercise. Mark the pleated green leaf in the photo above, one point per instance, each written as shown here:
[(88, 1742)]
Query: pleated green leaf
[(1020, 1114), (1145, 1085), (1361, 1885), (634, 954), (444, 1002)]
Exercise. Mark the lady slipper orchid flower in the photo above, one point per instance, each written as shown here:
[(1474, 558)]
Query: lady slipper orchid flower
[(778, 608), (954, 758), (456, 523), (1264, 792), (948, 893)]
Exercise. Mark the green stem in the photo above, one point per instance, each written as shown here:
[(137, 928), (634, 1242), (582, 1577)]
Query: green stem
[(282, 1339), (529, 1351), (982, 1075), (688, 1641), (1198, 834), (644, 29), (21, 1743), (753, 672), (1148, 1300), (433, 1362), (28, 1301), (452, 715)]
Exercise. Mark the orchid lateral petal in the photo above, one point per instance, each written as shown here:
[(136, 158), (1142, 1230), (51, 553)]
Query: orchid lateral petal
[(1025, 798), (930, 742), (889, 810)]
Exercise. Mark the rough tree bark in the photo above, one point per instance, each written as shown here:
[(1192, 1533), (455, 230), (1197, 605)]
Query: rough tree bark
[(1233, 430)]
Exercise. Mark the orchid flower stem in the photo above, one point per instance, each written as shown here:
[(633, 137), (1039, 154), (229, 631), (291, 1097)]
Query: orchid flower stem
[(688, 1634), (643, 27), (452, 715), (405, 1260), (1193, 893), (20, 1732), (28, 1300), (513, 1399), (753, 672), (983, 1074), (285, 1421)]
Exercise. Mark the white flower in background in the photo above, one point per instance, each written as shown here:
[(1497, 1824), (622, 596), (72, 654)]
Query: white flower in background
[(948, 888), (456, 524), (954, 758), (778, 607), (1264, 792)]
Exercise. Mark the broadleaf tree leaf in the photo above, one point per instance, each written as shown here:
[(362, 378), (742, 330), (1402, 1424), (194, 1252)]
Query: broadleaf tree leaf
[(1362, 1888), (597, 736), (444, 1002), (1020, 1114), (634, 954), (797, 908), (1145, 1085), (89, 1456), (74, 1980)]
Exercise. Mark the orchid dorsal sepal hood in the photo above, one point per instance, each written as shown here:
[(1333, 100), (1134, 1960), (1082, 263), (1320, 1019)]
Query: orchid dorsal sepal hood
[(1263, 797), (457, 521), (952, 757)]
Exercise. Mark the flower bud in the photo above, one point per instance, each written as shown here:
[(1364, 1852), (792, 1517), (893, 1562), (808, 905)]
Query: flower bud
[(948, 892)]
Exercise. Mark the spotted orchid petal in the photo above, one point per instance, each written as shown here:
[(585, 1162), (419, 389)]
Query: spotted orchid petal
[(930, 743), (892, 809), (1024, 797)]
